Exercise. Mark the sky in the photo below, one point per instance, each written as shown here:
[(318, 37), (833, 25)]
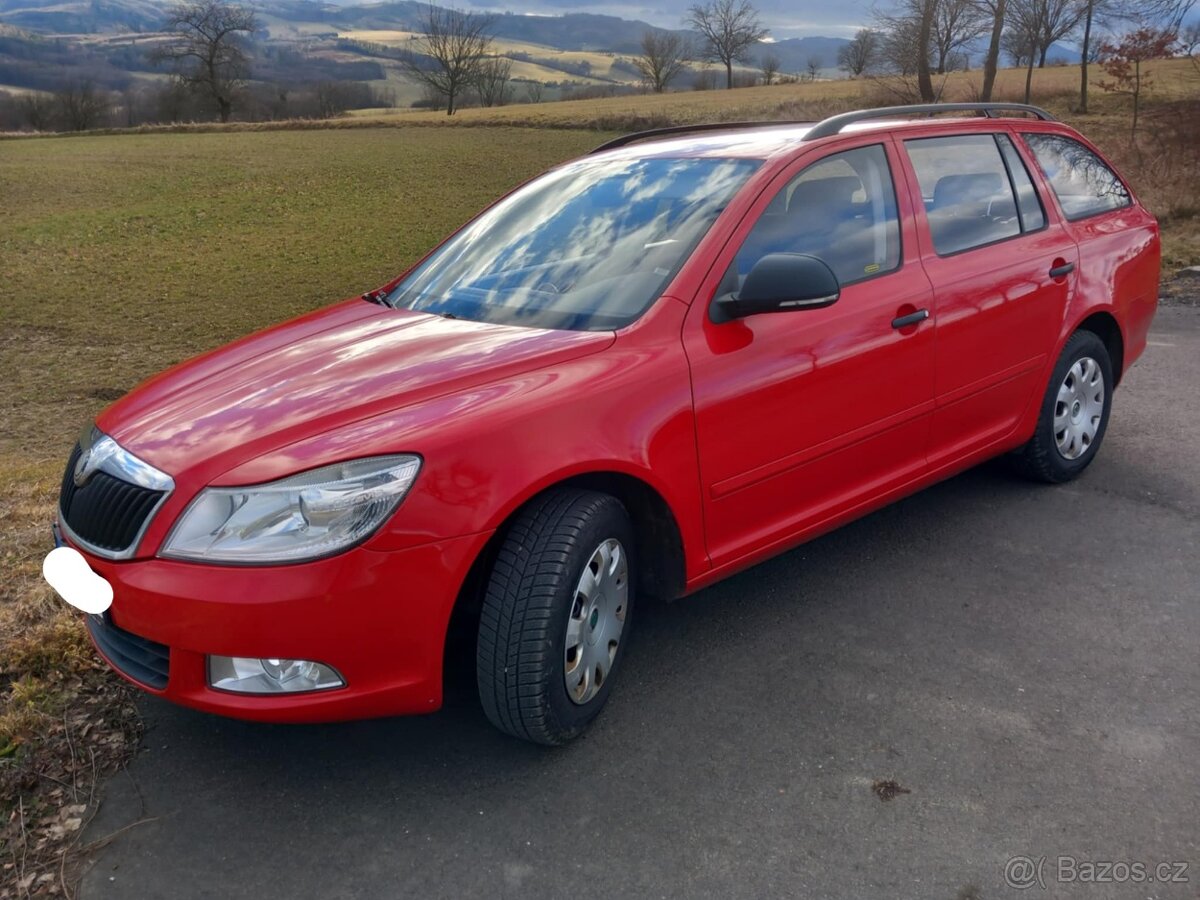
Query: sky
[(785, 19)]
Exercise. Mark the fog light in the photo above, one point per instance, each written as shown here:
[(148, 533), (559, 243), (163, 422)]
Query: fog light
[(244, 675)]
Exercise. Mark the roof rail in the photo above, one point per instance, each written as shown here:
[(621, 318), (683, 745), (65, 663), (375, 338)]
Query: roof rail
[(636, 136), (834, 124)]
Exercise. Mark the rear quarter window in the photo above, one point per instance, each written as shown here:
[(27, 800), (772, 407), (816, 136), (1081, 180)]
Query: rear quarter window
[(1082, 182)]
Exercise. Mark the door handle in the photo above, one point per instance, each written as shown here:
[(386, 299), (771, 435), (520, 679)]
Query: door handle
[(911, 319), (1064, 269)]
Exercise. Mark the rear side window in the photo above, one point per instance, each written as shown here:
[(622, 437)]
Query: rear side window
[(1084, 185), (841, 209), (965, 187), (1029, 207)]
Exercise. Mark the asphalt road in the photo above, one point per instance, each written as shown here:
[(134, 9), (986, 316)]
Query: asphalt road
[(1024, 660)]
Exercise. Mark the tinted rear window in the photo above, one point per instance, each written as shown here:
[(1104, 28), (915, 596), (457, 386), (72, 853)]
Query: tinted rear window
[(1084, 185)]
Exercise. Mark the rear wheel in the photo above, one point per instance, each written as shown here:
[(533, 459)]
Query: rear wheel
[(556, 616), (1074, 413)]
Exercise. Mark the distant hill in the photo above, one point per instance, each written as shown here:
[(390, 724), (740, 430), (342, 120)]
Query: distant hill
[(82, 16), (569, 32)]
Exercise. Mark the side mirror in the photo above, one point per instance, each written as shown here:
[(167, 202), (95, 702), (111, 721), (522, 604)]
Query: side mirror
[(780, 282)]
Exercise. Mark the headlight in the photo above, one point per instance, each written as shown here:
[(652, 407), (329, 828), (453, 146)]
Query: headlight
[(303, 517)]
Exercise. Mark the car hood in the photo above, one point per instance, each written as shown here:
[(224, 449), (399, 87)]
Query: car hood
[(316, 373)]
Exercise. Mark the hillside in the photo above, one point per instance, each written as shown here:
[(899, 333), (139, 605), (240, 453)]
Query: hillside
[(99, 40)]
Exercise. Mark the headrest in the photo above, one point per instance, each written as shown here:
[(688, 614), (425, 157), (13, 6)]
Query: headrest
[(824, 193), (954, 189)]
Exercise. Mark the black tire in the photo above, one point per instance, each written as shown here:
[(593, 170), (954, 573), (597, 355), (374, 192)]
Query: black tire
[(1040, 458), (520, 665)]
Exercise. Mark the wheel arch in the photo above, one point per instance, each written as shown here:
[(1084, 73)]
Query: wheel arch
[(1105, 326), (660, 555)]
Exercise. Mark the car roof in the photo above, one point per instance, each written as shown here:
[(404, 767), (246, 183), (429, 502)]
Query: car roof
[(763, 140)]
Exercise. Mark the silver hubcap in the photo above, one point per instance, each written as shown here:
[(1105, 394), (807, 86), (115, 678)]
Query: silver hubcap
[(1079, 408), (596, 620)]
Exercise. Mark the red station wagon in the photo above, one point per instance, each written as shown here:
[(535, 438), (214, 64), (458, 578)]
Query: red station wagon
[(639, 373)]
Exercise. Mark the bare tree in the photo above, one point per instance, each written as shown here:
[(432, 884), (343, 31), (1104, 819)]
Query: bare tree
[(813, 66), (445, 57), (535, 92), (172, 101), (207, 49), (769, 65), (1094, 13), (1033, 26), (1163, 15), (705, 79), (491, 80), (1019, 42), (80, 105), (861, 53), (1058, 19), (995, 12), (729, 30), (1189, 41), (332, 99), (956, 25), (36, 110), (664, 55), (897, 46), (908, 41)]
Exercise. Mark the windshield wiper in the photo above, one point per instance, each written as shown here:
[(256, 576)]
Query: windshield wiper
[(379, 297)]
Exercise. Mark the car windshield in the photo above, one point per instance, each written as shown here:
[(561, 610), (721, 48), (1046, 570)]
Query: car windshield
[(587, 247)]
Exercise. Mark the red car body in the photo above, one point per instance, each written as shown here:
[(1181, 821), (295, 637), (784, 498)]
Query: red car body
[(728, 442)]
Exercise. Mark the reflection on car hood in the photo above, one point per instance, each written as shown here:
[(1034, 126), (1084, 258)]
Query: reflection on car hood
[(315, 373)]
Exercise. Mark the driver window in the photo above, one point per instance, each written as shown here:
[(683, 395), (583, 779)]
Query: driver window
[(841, 210)]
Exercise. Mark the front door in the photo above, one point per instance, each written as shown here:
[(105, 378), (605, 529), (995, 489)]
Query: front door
[(805, 416)]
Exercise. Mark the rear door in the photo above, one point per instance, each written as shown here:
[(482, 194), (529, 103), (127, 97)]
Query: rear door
[(1003, 271)]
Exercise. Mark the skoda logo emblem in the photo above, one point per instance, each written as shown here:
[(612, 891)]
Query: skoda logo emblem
[(92, 459), (83, 469)]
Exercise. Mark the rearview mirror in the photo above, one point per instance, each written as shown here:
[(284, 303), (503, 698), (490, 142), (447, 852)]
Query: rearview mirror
[(780, 282)]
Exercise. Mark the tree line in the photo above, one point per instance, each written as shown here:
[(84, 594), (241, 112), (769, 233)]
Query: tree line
[(921, 39), (453, 57)]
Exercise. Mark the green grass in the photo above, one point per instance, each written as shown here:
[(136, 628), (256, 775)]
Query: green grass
[(120, 255)]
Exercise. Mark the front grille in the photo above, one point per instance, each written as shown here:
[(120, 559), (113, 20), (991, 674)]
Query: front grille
[(106, 512), (140, 658)]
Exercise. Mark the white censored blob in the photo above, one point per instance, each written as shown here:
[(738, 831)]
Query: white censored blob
[(69, 574)]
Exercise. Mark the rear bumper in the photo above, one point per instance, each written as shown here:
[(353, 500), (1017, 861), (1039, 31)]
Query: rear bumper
[(379, 618)]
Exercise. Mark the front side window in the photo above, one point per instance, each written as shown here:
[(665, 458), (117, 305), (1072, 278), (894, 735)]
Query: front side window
[(1081, 181), (965, 187), (841, 209), (588, 247)]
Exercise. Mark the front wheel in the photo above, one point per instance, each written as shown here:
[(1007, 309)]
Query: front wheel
[(556, 616), (1074, 413)]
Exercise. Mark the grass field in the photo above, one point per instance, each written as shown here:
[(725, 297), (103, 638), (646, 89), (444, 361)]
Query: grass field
[(121, 254)]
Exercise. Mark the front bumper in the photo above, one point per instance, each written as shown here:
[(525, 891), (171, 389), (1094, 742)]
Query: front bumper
[(379, 618)]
